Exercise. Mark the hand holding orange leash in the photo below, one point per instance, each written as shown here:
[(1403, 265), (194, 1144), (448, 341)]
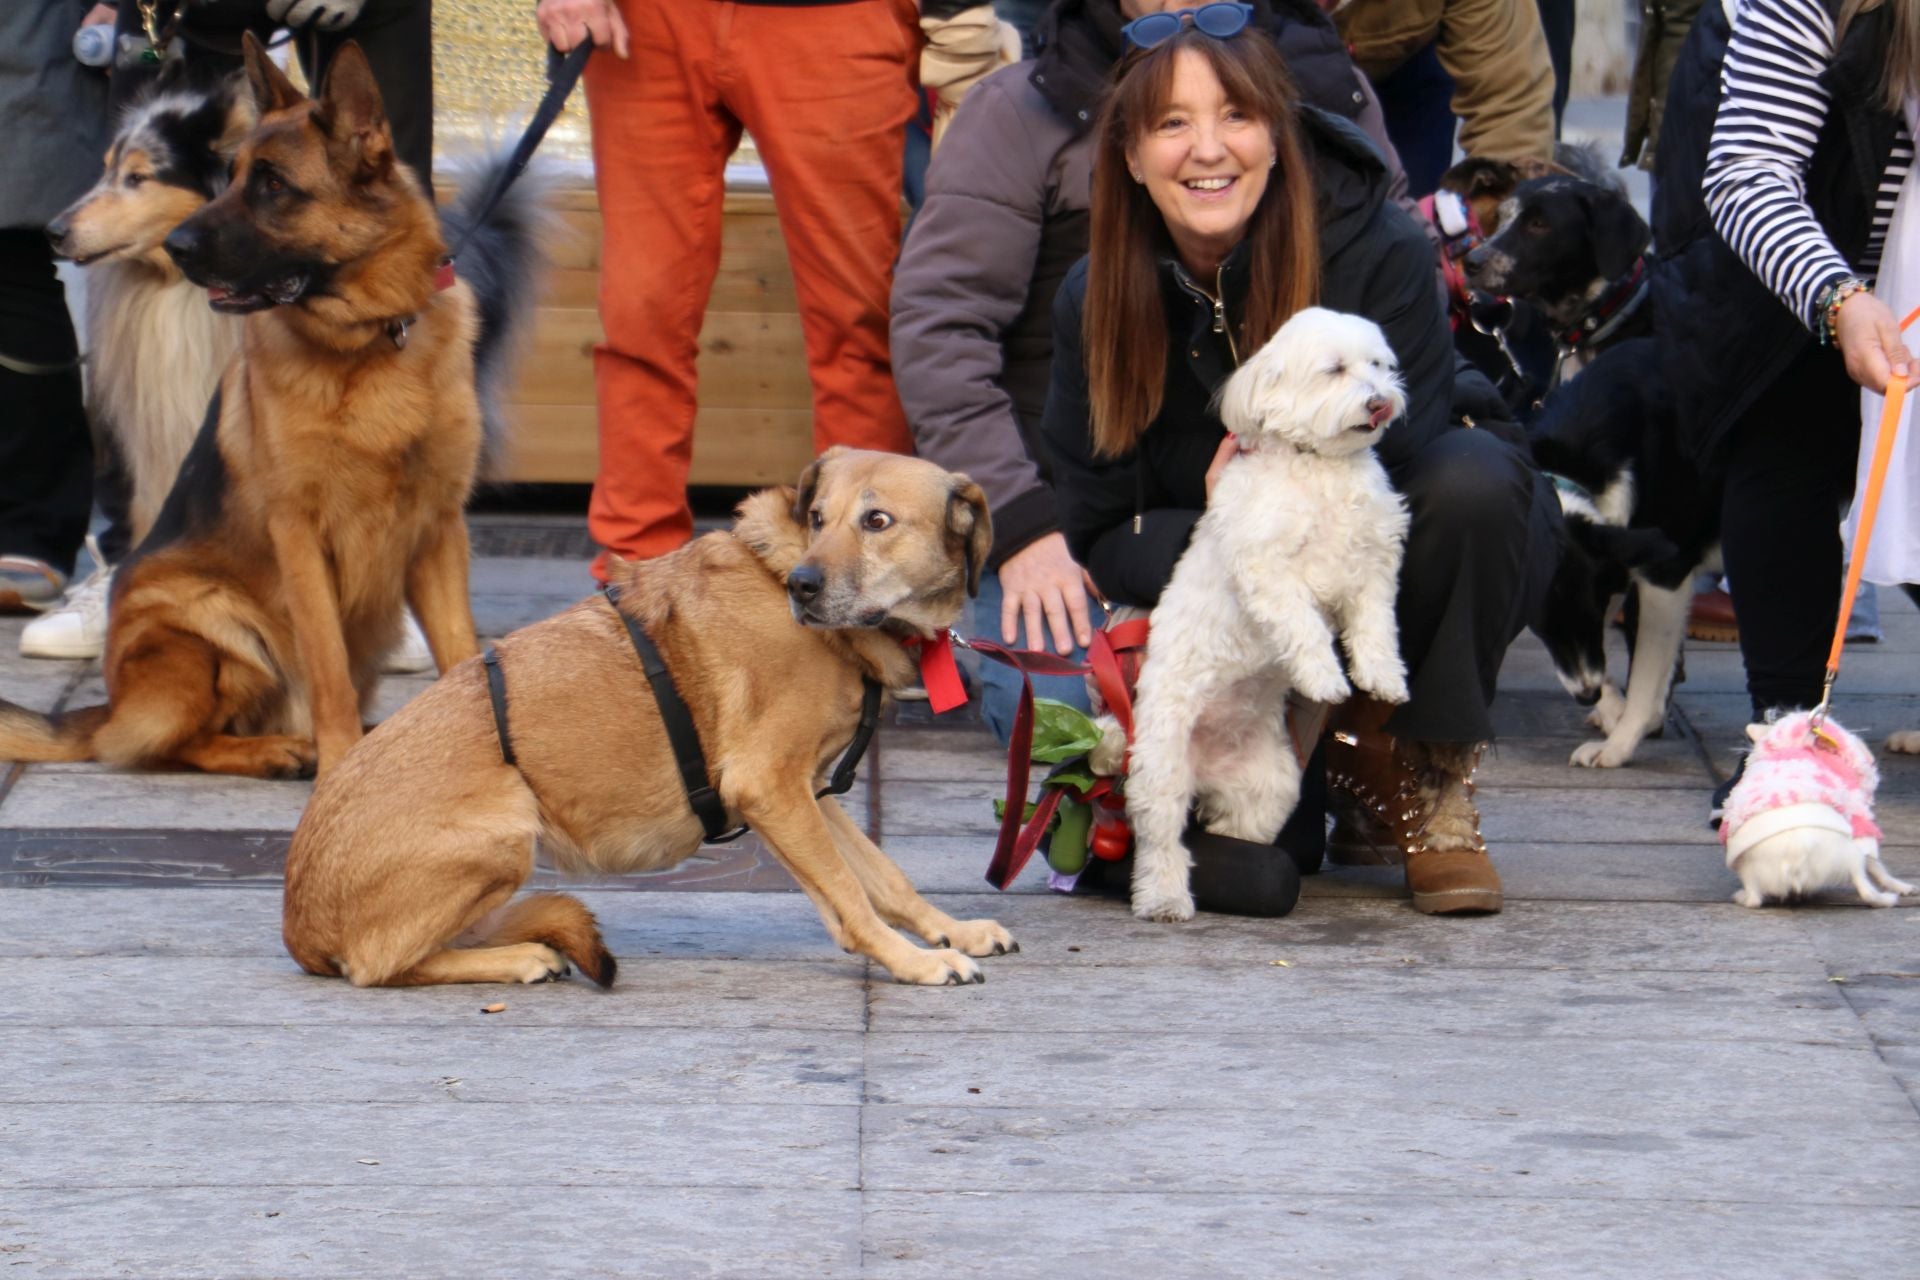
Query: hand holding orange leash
[(1869, 508)]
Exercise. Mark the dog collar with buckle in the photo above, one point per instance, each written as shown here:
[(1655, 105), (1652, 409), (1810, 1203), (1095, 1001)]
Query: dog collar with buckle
[(1622, 299), (443, 278)]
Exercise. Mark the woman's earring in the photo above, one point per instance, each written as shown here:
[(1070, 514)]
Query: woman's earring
[(1137, 176)]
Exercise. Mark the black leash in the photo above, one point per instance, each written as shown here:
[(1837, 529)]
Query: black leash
[(562, 74)]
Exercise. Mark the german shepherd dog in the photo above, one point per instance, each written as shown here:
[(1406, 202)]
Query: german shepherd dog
[(326, 486), (404, 866), (155, 349)]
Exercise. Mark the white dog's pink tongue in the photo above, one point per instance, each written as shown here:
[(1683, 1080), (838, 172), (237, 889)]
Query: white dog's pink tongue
[(1380, 416)]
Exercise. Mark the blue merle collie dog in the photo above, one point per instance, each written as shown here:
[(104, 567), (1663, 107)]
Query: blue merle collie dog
[(155, 348)]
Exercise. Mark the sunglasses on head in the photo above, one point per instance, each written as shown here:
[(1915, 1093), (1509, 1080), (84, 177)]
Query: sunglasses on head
[(1221, 20)]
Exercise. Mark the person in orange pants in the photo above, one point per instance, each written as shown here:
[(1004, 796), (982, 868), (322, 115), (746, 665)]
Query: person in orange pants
[(824, 89)]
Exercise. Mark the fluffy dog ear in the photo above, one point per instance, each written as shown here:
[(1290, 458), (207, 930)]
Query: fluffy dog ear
[(351, 112), (272, 91), (972, 526), (1245, 402), (1620, 234), (808, 486)]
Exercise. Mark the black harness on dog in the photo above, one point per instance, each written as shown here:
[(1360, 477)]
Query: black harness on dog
[(681, 733)]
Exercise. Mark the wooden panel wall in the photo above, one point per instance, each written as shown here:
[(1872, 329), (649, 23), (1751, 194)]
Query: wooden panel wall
[(755, 424)]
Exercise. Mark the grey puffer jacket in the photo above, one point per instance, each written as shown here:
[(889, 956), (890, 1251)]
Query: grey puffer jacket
[(55, 109), (1004, 219)]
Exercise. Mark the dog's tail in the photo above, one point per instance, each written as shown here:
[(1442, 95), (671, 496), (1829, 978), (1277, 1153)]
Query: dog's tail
[(30, 737), (560, 921), (499, 257)]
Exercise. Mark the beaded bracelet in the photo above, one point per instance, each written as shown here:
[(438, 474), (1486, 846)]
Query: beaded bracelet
[(1828, 302)]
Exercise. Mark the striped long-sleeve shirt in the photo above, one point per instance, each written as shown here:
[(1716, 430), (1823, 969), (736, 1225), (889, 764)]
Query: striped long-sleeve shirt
[(1772, 106)]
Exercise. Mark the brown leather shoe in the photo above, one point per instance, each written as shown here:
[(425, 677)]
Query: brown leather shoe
[(1710, 618), (1414, 806)]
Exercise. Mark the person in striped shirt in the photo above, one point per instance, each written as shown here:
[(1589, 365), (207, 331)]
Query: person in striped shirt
[(1784, 144)]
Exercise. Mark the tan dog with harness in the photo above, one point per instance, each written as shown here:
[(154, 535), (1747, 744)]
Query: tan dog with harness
[(402, 867)]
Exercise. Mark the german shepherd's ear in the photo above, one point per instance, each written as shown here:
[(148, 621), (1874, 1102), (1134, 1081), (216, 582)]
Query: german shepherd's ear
[(241, 114), (272, 91), (352, 115), (969, 521)]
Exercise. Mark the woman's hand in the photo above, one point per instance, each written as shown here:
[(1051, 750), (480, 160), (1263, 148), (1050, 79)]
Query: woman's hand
[(565, 22), (1868, 336), (1229, 449), (1043, 578)]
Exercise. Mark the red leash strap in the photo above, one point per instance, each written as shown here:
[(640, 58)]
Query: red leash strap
[(1110, 672), (1018, 840)]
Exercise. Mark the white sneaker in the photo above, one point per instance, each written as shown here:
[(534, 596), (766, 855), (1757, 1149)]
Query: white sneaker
[(411, 653), (77, 628)]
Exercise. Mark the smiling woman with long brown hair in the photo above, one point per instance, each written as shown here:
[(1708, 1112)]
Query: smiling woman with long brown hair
[(1221, 206)]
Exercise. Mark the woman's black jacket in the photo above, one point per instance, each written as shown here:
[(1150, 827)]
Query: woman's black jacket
[(1723, 333), (1376, 263)]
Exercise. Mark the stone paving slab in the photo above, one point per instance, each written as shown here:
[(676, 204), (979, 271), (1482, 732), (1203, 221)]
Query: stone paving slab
[(1261, 996), (643, 929), (651, 993), (336, 1233), (360, 1063), (56, 795), (1294, 1231), (1856, 942), (1416, 1138), (444, 1142)]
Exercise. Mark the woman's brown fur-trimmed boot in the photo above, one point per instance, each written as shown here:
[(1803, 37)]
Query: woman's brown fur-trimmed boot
[(1410, 803)]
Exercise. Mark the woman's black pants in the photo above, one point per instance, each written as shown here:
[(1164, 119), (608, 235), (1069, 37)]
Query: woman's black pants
[(1790, 470), (46, 454), (1481, 552)]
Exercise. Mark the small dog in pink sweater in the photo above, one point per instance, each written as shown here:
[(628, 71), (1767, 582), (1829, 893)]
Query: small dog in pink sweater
[(1801, 818)]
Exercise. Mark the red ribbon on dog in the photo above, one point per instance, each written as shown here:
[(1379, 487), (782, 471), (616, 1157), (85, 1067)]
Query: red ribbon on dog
[(939, 673)]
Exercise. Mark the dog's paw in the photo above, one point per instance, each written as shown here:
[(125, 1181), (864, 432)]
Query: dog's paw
[(1388, 685), (1906, 742), (538, 962), (978, 938), (1327, 686), (1874, 898), (1606, 713), (1601, 755), (1749, 897), (1171, 908), (283, 756), (937, 967), (1110, 753)]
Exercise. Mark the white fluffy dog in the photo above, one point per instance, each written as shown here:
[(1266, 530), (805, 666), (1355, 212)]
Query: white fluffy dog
[(1301, 539)]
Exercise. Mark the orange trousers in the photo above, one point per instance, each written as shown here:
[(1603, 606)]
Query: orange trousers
[(825, 91)]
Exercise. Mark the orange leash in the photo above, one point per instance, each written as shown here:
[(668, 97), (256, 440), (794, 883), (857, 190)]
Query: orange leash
[(1869, 509)]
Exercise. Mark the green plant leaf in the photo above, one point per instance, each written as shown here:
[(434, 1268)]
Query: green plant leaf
[(1061, 732)]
